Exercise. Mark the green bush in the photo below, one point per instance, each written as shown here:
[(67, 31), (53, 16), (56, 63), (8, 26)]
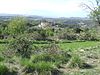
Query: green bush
[(90, 35), (1, 58), (51, 53), (22, 46), (38, 66), (3, 69), (41, 66), (45, 63), (17, 25), (68, 36), (47, 58), (76, 61)]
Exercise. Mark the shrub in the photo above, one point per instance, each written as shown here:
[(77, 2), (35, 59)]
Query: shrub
[(51, 53), (17, 25), (46, 58), (3, 69), (46, 61), (1, 58), (89, 35), (76, 62), (53, 49), (68, 36), (22, 46), (39, 67)]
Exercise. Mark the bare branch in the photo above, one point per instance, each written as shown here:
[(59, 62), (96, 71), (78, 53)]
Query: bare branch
[(94, 10), (87, 7), (97, 2)]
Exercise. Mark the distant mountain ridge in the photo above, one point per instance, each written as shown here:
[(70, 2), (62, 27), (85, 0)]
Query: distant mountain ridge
[(3, 14), (65, 21), (36, 16)]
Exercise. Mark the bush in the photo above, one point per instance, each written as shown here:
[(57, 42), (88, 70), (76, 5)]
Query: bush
[(68, 36), (46, 58), (17, 25), (46, 61), (76, 62), (90, 35), (3, 69), (51, 53), (53, 49), (1, 58), (38, 67), (22, 46)]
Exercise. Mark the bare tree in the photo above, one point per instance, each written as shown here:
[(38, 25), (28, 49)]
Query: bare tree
[(94, 10)]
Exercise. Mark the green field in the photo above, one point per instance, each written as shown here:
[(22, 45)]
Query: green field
[(92, 56), (74, 45), (78, 45), (65, 46)]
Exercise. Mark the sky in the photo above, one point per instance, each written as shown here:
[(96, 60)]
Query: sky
[(46, 8)]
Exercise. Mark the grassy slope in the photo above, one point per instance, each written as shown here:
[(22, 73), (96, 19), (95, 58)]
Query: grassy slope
[(91, 57), (65, 46), (74, 45), (77, 45)]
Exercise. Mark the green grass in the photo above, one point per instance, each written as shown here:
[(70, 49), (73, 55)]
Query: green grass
[(2, 47), (3, 69), (94, 62), (74, 45), (65, 46), (77, 45), (42, 63)]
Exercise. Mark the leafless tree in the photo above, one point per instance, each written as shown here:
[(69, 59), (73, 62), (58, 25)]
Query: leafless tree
[(94, 10)]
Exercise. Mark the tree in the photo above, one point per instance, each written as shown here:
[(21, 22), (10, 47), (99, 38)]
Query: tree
[(22, 46), (17, 25), (46, 33), (94, 10)]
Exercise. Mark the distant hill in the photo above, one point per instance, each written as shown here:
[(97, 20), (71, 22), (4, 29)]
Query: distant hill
[(61, 21), (3, 14), (7, 16)]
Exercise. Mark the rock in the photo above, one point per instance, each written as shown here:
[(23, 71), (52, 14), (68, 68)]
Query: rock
[(82, 50)]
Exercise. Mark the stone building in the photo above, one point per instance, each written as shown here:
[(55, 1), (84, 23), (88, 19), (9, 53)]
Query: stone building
[(45, 24)]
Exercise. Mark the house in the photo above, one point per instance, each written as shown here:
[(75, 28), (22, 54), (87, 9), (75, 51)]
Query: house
[(45, 24), (82, 24)]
